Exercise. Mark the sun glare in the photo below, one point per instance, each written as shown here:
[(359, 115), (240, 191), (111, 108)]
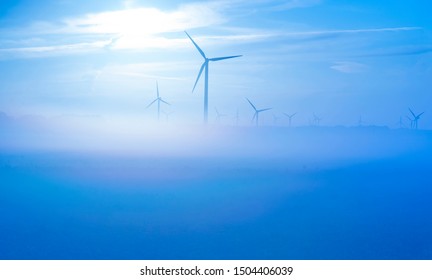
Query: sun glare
[(140, 27)]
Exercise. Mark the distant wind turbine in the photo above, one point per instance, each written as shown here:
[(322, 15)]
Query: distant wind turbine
[(411, 122), (275, 119), (167, 114), (237, 117), (218, 115), (416, 118), (256, 115), (158, 100), (360, 121), (205, 66), (400, 123), (290, 117), (316, 119)]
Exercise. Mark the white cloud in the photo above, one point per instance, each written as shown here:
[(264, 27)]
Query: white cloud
[(144, 28), (134, 28), (143, 21), (349, 67)]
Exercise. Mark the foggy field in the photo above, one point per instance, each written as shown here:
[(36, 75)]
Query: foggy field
[(221, 193)]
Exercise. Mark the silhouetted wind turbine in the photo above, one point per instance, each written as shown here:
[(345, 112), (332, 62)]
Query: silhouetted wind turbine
[(256, 115), (290, 117), (158, 100), (205, 66), (416, 118)]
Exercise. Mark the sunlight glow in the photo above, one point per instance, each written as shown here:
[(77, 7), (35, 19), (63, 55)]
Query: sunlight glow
[(137, 28)]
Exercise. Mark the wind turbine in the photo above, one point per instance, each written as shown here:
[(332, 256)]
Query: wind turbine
[(290, 117), (411, 122), (218, 115), (400, 123), (237, 117), (256, 115), (205, 66), (360, 121), (167, 114), (158, 100), (316, 119), (416, 118), (275, 119)]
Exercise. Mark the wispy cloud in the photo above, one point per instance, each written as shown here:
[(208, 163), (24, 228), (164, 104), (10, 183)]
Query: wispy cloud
[(294, 4), (123, 29), (153, 77), (254, 35), (124, 41), (145, 28), (349, 67), (67, 48), (402, 51), (272, 5), (348, 31)]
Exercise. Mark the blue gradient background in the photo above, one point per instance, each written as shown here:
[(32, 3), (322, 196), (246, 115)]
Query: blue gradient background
[(86, 172)]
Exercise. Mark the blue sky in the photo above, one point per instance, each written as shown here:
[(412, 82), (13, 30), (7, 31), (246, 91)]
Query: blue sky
[(337, 59)]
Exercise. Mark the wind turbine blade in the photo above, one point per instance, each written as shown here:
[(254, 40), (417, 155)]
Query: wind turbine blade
[(152, 103), (199, 74), (164, 101), (251, 104), (198, 48), (254, 116), (157, 89), (293, 114), (420, 114), (412, 113), (223, 58), (262, 110)]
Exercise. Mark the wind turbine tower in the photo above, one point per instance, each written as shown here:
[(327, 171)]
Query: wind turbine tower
[(360, 121), (237, 117), (205, 68), (400, 123), (411, 122)]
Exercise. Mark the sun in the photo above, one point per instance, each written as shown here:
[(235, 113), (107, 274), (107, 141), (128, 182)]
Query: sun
[(134, 28)]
